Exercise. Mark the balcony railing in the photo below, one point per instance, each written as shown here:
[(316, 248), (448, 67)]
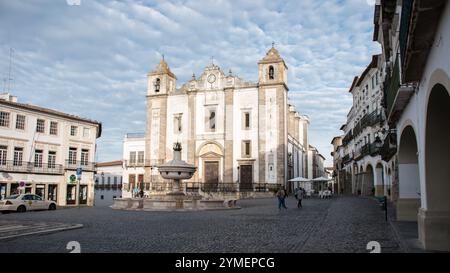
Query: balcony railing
[(197, 187), (346, 159), (393, 86), (389, 148), (131, 163), (85, 166), (405, 18), (30, 167), (347, 138)]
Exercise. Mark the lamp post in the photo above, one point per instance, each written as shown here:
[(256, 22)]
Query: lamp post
[(378, 143)]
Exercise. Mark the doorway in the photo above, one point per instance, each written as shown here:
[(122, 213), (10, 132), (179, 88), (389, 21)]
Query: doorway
[(83, 194), (52, 192), (211, 175), (246, 177), (71, 195)]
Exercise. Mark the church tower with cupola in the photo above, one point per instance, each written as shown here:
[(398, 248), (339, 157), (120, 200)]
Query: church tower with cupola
[(272, 101), (161, 83)]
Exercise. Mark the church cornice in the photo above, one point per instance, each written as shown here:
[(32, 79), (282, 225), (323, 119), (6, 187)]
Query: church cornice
[(157, 95), (274, 84)]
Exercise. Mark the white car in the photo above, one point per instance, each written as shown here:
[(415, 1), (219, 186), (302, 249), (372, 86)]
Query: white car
[(24, 202)]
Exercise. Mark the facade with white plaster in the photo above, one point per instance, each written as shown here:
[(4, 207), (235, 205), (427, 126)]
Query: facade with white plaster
[(235, 132), (42, 149)]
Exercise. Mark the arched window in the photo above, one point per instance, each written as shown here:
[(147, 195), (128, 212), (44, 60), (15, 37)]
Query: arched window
[(271, 72), (157, 84)]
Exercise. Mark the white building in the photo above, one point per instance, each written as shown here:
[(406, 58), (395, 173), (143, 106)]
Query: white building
[(410, 157), (42, 148), (415, 40), (237, 133), (133, 165), (108, 182), (358, 153)]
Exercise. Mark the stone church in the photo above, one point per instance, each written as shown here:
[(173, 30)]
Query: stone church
[(233, 131)]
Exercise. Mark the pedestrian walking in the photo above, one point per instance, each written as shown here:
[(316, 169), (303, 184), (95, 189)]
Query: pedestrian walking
[(299, 195), (281, 194)]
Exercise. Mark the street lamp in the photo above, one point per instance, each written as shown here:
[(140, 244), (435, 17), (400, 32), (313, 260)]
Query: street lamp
[(378, 142)]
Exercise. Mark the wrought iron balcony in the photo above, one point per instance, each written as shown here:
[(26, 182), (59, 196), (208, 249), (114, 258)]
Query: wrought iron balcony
[(84, 165), (133, 163), (392, 87), (347, 158), (347, 138), (389, 148), (30, 167)]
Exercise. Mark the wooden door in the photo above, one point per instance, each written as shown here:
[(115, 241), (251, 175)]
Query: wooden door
[(211, 175), (246, 177)]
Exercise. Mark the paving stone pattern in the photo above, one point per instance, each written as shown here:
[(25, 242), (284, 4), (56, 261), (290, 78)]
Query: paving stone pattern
[(340, 224)]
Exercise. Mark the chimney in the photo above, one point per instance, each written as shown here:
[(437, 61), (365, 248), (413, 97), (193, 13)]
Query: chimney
[(8, 97)]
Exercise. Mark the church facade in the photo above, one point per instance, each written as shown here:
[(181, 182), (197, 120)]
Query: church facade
[(233, 131)]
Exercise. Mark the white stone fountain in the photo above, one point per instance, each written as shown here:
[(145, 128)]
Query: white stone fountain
[(176, 200)]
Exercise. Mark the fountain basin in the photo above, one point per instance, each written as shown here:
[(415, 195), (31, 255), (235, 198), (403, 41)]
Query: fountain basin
[(173, 203)]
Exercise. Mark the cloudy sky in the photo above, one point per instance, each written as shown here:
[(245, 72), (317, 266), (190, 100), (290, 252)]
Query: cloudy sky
[(92, 59)]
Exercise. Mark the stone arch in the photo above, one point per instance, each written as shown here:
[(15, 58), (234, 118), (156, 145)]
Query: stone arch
[(210, 146), (408, 201), (359, 180), (434, 218), (210, 162), (388, 181), (379, 179), (368, 185)]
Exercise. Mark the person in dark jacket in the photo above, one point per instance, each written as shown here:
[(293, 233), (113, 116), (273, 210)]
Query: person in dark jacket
[(281, 194)]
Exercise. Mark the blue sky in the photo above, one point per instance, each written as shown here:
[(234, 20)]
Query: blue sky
[(91, 60)]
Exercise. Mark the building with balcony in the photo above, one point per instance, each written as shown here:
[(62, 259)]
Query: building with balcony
[(358, 164), (415, 40), (41, 150), (134, 163), (108, 182)]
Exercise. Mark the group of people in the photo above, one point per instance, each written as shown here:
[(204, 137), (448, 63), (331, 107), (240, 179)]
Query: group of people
[(137, 193), (299, 193)]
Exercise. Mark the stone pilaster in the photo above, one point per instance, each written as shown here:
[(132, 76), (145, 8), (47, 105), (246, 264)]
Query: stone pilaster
[(163, 129), (262, 134), (434, 229), (407, 209), (191, 133), (147, 170), (228, 153), (282, 137)]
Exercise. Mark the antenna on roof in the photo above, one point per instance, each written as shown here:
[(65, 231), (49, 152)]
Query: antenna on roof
[(9, 79)]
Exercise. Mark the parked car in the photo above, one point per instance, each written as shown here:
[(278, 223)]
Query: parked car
[(24, 202)]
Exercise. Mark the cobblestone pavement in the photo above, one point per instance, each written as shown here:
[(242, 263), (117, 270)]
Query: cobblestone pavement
[(341, 224), (12, 229)]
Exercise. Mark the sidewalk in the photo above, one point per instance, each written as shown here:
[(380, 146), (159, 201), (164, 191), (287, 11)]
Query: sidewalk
[(406, 232)]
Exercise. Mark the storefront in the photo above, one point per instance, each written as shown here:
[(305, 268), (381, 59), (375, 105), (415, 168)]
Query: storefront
[(40, 190), (71, 194), (52, 192), (83, 194), (3, 190)]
